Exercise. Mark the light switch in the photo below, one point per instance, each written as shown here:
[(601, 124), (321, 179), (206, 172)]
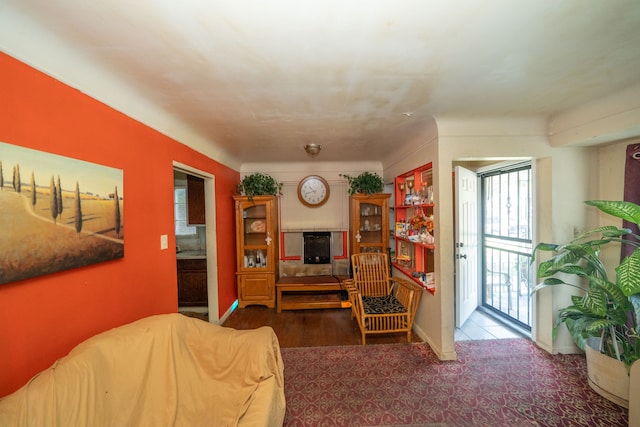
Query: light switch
[(164, 242)]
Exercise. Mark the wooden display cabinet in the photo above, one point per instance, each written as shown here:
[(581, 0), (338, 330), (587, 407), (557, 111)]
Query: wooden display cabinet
[(256, 249), (414, 250), (369, 223)]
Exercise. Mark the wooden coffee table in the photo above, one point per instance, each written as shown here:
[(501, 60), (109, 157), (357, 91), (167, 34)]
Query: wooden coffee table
[(309, 292)]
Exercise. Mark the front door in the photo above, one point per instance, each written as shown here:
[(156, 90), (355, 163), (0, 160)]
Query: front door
[(466, 243)]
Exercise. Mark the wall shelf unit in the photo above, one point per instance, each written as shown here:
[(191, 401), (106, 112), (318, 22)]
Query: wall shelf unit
[(413, 233)]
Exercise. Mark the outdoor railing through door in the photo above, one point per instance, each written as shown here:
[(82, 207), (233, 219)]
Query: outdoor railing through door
[(506, 242)]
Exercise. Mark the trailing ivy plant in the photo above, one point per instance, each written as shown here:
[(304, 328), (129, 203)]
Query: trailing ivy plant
[(259, 184), (365, 183)]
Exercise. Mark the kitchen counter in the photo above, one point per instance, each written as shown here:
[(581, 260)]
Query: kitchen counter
[(192, 255)]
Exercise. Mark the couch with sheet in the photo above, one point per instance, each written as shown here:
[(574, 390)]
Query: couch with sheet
[(162, 370)]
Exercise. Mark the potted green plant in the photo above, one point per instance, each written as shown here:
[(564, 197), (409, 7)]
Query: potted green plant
[(603, 319), (365, 183), (259, 184)]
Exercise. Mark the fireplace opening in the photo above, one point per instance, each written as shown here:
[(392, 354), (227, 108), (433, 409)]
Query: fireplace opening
[(317, 247)]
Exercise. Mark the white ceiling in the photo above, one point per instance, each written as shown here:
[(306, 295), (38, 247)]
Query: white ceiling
[(259, 79)]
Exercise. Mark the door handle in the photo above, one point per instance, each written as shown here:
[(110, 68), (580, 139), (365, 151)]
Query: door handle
[(461, 256)]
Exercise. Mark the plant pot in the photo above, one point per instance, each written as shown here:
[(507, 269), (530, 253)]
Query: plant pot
[(607, 376)]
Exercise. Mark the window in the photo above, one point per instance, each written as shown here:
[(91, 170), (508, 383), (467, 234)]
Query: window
[(180, 212)]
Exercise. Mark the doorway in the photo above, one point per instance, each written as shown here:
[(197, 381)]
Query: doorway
[(493, 216), (506, 242), (203, 234)]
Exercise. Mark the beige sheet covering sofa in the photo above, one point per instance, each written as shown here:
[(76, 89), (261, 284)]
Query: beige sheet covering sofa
[(165, 370)]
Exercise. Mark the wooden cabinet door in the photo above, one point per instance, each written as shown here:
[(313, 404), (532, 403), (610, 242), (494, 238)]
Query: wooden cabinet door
[(195, 200), (192, 282), (256, 289)]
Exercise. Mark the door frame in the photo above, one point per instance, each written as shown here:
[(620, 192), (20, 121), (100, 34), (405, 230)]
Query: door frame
[(484, 165), (210, 236)]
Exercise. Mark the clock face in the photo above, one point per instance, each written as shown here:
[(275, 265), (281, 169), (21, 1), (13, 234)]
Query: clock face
[(313, 191)]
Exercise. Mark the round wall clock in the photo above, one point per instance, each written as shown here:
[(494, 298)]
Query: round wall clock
[(313, 191)]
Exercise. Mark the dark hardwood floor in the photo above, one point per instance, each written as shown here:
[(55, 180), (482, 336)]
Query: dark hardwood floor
[(309, 328)]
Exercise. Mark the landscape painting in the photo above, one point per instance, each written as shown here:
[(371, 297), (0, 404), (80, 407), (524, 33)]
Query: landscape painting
[(56, 213)]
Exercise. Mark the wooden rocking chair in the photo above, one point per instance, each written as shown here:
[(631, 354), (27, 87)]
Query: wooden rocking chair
[(380, 303)]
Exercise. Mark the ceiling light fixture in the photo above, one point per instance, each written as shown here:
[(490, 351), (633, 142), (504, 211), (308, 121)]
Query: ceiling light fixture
[(313, 149)]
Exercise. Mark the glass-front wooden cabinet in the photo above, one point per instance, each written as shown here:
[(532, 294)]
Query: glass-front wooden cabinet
[(256, 249), (414, 228), (369, 223)]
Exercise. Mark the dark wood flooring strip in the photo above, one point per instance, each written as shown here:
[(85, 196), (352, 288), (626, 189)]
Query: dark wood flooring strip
[(309, 328)]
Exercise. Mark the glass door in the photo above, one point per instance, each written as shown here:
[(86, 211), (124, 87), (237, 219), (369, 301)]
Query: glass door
[(255, 236), (369, 223), (371, 228)]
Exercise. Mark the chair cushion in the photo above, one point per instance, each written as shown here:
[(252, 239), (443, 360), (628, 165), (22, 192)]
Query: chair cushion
[(382, 305)]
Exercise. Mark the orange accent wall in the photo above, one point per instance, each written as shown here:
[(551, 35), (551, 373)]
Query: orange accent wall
[(41, 319)]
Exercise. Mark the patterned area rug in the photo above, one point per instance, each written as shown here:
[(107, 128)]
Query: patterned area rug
[(507, 382)]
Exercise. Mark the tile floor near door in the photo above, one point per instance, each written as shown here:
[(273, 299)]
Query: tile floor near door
[(481, 326)]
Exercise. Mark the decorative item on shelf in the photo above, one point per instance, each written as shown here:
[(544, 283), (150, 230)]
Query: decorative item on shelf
[(258, 184), (426, 194), (409, 186), (401, 187), (258, 226), (420, 221), (365, 183), (408, 199), (426, 237), (421, 227), (429, 281)]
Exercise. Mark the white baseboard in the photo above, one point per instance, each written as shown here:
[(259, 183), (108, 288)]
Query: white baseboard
[(437, 350), (226, 315)]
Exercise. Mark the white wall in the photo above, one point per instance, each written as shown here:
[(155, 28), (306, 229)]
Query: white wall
[(610, 119)]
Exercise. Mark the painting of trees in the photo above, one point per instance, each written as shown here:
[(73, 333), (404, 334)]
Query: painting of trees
[(78, 211), (48, 231), (16, 179), (33, 191), (53, 203), (116, 213), (59, 197)]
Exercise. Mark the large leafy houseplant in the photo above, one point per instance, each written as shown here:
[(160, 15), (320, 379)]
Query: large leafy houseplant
[(259, 184), (366, 183), (606, 309)]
